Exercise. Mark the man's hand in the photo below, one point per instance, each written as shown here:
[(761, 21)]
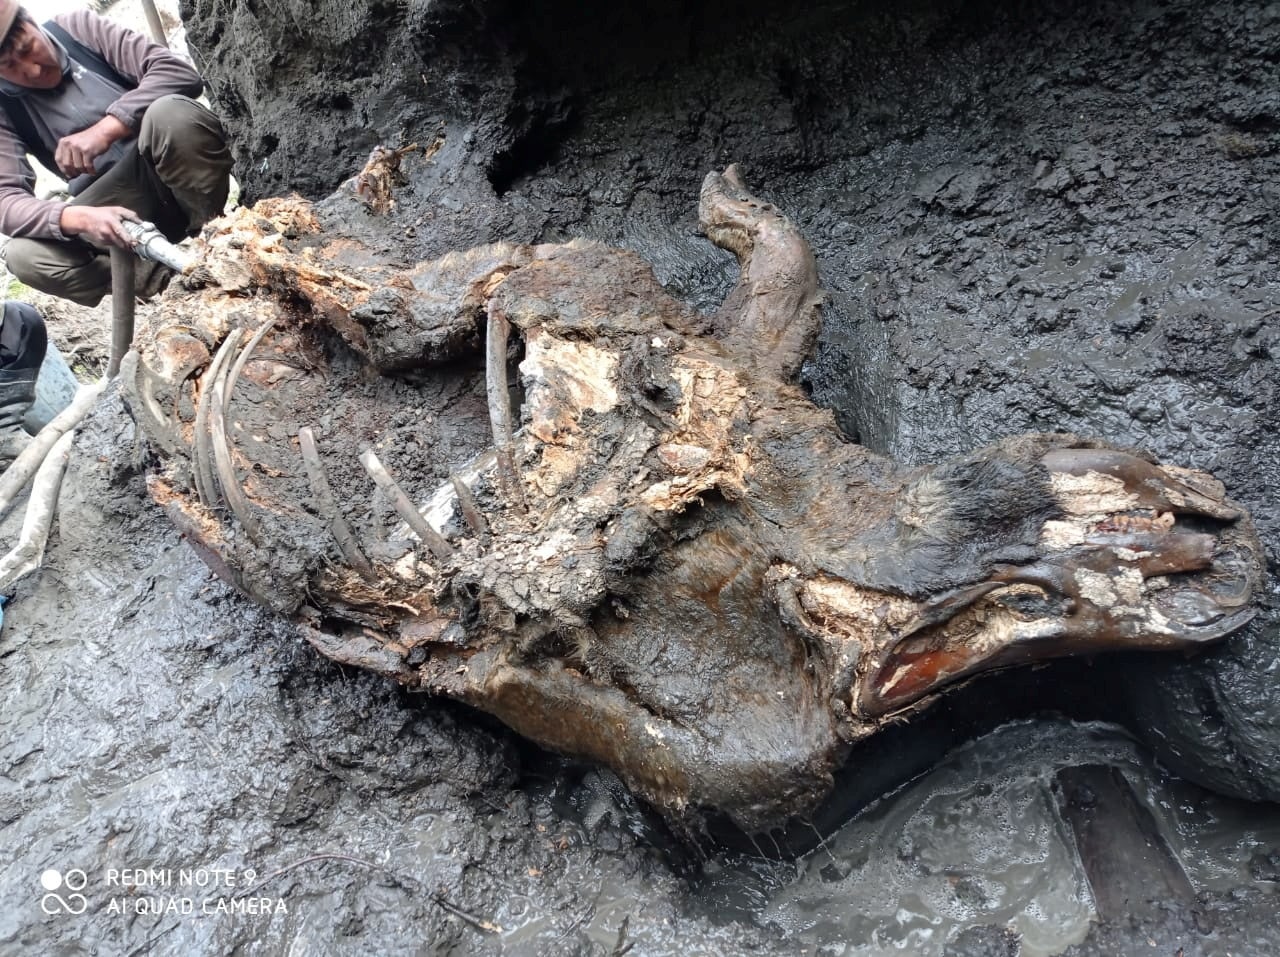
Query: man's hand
[(76, 153), (100, 225)]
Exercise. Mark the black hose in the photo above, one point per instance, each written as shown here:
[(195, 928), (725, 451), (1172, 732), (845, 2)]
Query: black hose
[(123, 264)]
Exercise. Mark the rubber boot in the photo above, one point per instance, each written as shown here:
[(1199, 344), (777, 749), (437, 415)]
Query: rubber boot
[(17, 392)]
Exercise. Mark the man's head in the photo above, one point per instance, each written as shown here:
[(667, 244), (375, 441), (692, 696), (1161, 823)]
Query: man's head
[(27, 58)]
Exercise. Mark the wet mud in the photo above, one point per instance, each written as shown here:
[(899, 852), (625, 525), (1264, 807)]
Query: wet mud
[(158, 720), (973, 858), (1027, 216)]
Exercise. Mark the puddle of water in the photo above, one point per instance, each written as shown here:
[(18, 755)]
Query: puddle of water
[(977, 841)]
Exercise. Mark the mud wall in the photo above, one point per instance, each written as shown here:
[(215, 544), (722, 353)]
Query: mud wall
[(1036, 215), (1041, 216)]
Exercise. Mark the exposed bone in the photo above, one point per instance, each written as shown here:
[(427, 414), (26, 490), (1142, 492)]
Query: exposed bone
[(139, 384), (200, 533), (338, 526), (217, 410), (500, 402), (434, 541), (470, 510), (234, 375), (203, 453), (439, 509), (225, 467), (181, 355)]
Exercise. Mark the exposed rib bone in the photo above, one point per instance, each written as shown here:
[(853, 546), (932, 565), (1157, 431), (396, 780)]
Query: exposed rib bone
[(328, 507), (178, 377), (231, 488), (500, 402), (202, 448), (404, 507), (139, 382), (217, 408), (234, 375), (470, 510), (439, 508)]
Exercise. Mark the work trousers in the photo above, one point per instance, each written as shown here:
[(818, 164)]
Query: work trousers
[(23, 338), (175, 175)]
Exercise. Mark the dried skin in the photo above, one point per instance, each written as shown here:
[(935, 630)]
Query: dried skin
[(687, 574)]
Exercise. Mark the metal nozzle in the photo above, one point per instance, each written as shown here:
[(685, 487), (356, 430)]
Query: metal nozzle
[(149, 243)]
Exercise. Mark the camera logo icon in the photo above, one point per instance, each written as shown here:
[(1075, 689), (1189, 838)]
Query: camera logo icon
[(55, 882)]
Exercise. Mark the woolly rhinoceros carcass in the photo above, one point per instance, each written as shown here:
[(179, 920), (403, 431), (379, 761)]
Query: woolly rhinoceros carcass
[(527, 478)]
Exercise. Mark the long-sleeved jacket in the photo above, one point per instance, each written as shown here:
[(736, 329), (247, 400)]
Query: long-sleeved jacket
[(81, 100)]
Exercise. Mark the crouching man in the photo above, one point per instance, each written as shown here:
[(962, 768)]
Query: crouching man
[(114, 113)]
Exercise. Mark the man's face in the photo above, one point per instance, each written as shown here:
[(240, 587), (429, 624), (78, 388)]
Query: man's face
[(31, 61)]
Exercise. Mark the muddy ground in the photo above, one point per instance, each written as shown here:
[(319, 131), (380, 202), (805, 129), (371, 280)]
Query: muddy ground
[(1040, 216), (1029, 216)]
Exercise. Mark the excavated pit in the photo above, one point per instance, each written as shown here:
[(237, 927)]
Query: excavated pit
[(1027, 216)]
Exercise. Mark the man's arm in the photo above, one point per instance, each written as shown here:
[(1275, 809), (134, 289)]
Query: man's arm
[(158, 71), (77, 153), (21, 214)]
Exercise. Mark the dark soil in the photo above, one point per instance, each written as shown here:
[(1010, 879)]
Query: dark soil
[(1241, 922), (1034, 216), (156, 719), (420, 429), (1028, 217)]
